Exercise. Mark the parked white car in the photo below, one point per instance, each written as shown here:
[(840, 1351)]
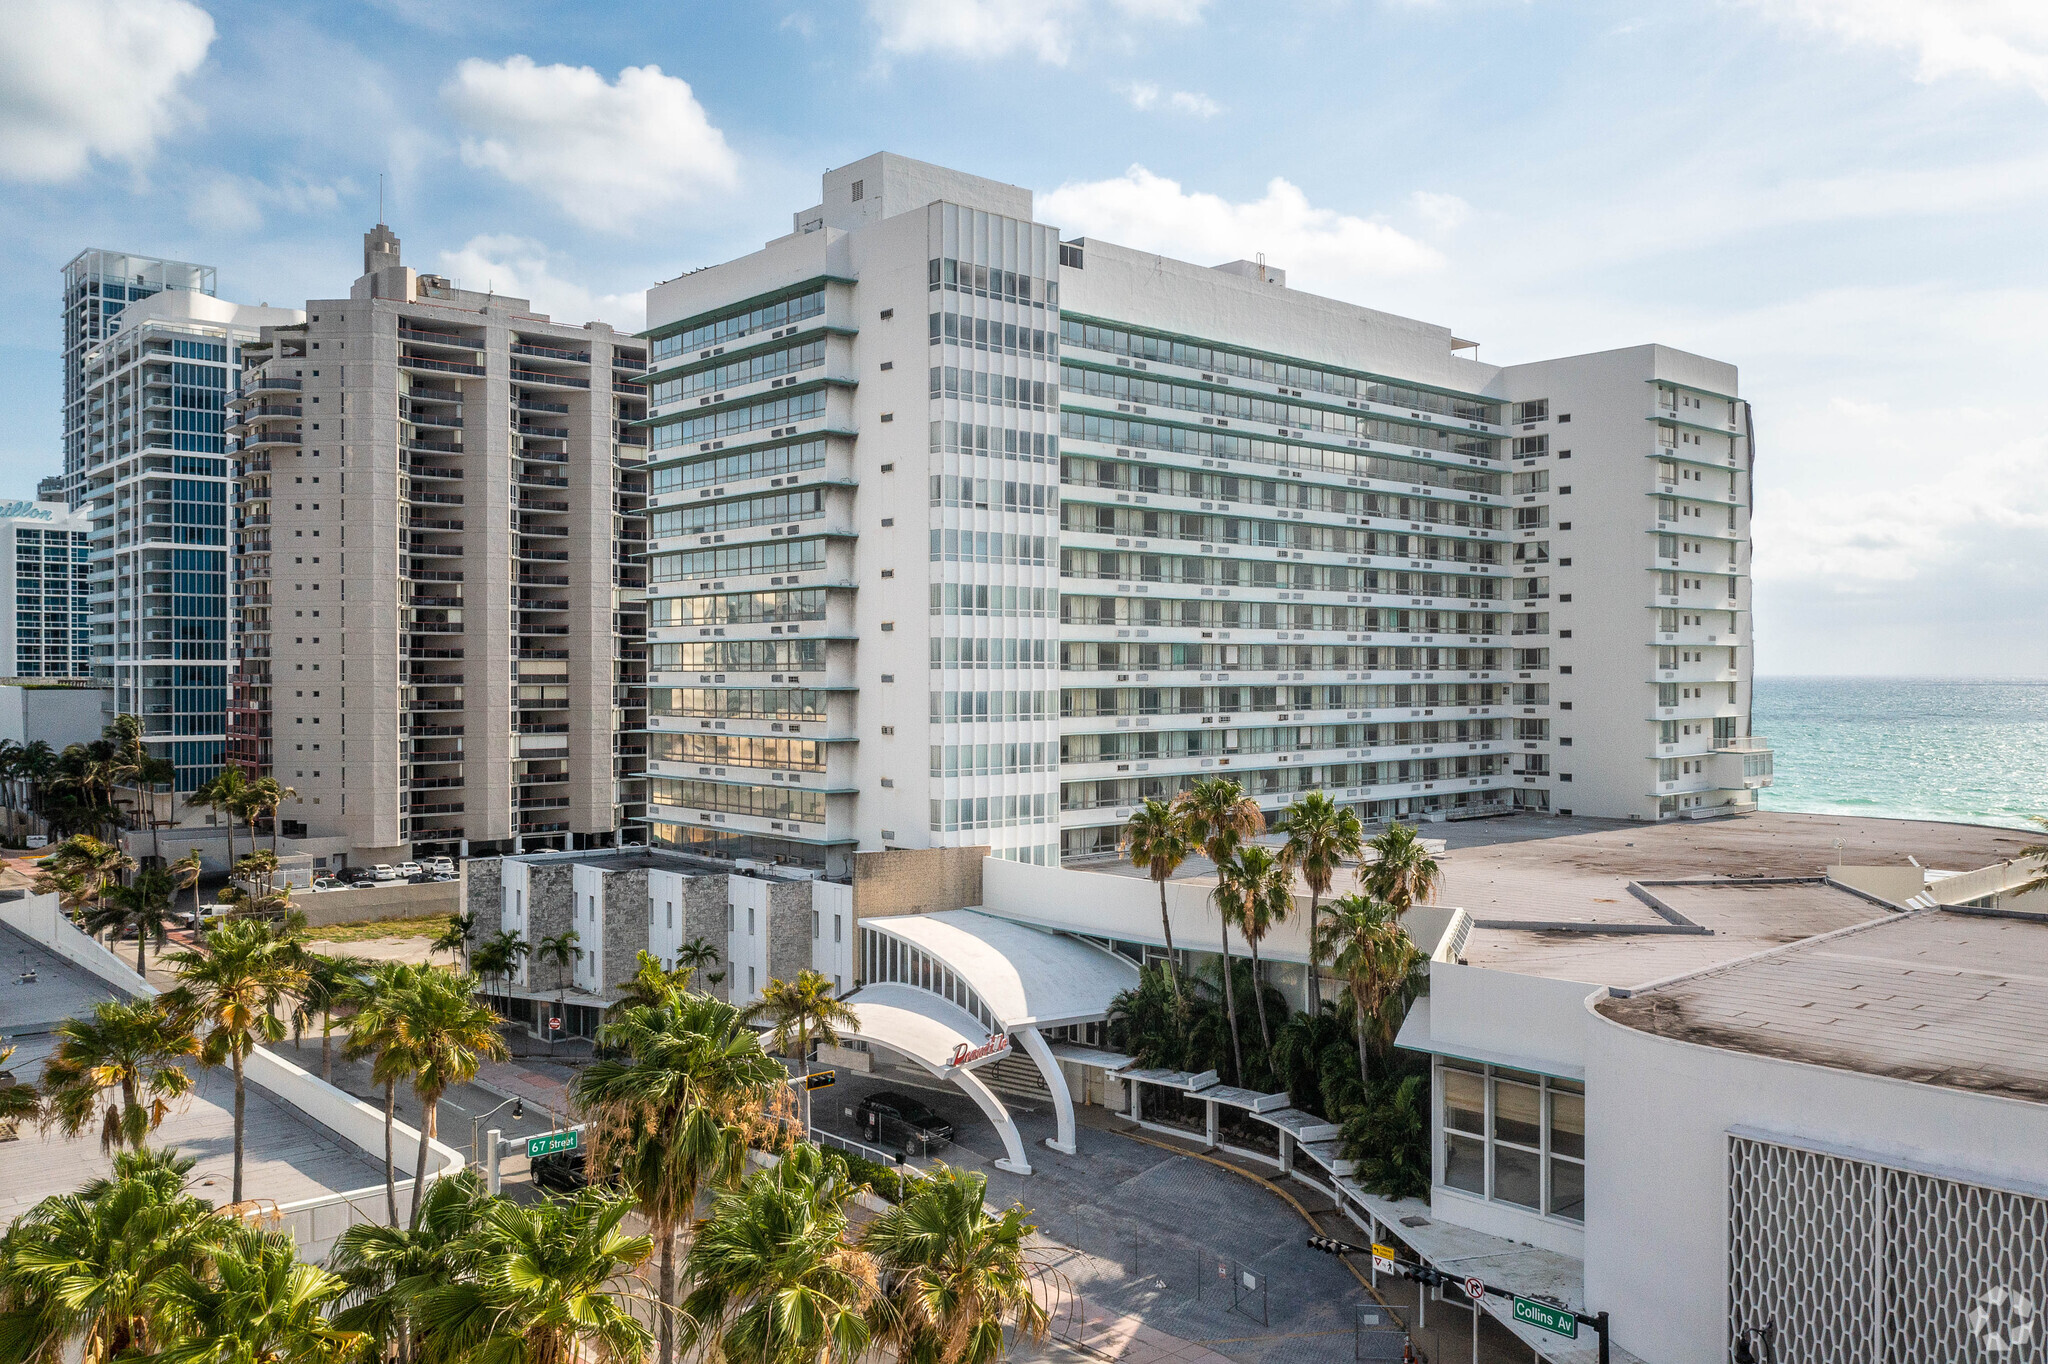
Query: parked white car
[(441, 866), (409, 869), (384, 871)]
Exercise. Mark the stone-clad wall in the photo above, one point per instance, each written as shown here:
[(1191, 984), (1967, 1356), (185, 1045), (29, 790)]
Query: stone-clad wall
[(704, 917), (486, 883), (789, 929), (625, 926), (550, 901), (916, 880)]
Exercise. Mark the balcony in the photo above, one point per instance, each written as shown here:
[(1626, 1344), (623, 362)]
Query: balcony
[(439, 338), (1752, 744), (535, 376), (252, 384), (421, 362), (550, 352)]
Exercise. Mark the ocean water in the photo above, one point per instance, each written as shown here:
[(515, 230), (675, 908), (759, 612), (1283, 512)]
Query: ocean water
[(1972, 750)]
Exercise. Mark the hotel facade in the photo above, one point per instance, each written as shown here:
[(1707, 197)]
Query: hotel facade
[(962, 534)]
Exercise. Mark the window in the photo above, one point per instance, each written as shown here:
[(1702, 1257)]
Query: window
[(1514, 1137), (859, 189)]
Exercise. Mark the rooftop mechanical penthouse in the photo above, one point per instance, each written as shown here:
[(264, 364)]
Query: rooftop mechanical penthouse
[(964, 534)]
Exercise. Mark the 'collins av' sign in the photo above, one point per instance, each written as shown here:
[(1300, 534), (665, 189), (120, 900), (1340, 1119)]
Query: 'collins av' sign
[(962, 1053)]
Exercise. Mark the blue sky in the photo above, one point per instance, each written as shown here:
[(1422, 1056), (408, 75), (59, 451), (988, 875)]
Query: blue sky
[(1844, 197)]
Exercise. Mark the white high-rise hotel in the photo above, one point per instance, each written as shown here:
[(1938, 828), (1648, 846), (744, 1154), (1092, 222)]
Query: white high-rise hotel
[(961, 534)]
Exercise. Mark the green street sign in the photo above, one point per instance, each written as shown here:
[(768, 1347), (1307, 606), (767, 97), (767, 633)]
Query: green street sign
[(1560, 1320), (547, 1143)]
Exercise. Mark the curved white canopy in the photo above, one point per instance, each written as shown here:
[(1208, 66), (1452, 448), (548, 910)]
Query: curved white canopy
[(1025, 975), (918, 1024)]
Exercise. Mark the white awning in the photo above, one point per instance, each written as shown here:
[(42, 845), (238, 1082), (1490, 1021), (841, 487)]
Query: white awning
[(1025, 975), (920, 1025)]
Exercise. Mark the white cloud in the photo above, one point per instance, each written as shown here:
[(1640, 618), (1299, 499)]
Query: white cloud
[(2005, 40), (236, 203), (87, 78), (606, 153), (1441, 211), (1319, 248), (519, 266), (982, 29), (1144, 96)]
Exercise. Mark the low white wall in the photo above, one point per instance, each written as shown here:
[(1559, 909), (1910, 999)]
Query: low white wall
[(1486, 1015), (40, 919), (1658, 1114), (1126, 907)]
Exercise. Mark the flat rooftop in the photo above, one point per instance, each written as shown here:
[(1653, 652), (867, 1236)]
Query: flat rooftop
[(1947, 997), (289, 1157), (1626, 943), (1550, 896)]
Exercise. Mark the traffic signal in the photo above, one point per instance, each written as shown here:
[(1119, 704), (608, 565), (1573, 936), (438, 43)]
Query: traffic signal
[(1330, 1245)]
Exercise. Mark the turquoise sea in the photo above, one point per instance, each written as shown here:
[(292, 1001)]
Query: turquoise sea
[(1972, 750)]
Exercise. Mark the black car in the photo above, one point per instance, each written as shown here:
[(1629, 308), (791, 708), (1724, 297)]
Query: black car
[(562, 1171), (899, 1111)]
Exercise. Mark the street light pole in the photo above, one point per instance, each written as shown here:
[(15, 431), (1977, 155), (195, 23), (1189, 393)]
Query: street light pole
[(518, 1111)]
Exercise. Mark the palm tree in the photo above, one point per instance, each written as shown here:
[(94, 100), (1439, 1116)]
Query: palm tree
[(561, 950), (1156, 842), (376, 1000), (677, 1115), (498, 958), (79, 1272), (802, 1009), (267, 796), (386, 1267), (255, 1302), (1401, 872), (540, 1291), (127, 1056), (439, 1036), (1218, 816), (1321, 836), (1370, 951), (186, 872), (19, 1101), (650, 983), (776, 1280), (235, 986), (259, 869), (225, 793), (10, 772), (328, 991), (1257, 892), (456, 937), (696, 954), (82, 867), (143, 905), (37, 763), (954, 1272)]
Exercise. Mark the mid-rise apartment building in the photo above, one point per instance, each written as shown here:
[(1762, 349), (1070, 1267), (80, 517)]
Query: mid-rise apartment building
[(439, 588), (152, 474), (965, 535), (98, 285), (43, 624)]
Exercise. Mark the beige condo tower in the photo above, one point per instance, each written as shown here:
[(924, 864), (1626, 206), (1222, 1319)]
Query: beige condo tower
[(438, 592)]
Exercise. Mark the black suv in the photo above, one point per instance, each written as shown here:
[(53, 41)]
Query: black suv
[(893, 1108), (565, 1171)]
